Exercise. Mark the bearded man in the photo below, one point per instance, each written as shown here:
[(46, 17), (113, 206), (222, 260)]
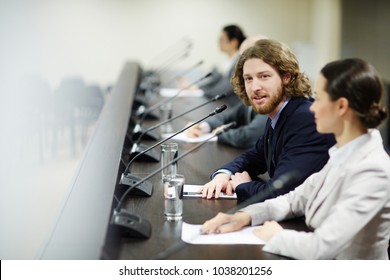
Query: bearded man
[(267, 77)]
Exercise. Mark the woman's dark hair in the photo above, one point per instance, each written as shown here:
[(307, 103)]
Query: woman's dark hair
[(234, 32), (358, 82)]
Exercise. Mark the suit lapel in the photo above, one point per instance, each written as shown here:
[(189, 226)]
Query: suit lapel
[(287, 111), (322, 192), (313, 196)]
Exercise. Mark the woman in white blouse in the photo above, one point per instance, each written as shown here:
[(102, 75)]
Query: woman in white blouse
[(347, 203)]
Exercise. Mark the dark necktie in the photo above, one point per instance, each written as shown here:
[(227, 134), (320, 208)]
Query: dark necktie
[(270, 151)]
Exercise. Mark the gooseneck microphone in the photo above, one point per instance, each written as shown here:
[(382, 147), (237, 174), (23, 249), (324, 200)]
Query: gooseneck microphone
[(134, 224), (174, 54), (184, 72), (218, 97), (137, 148), (175, 57), (182, 45), (173, 60), (146, 188), (143, 112), (280, 182)]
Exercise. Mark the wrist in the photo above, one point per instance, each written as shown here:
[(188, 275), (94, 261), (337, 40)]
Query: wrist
[(243, 218)]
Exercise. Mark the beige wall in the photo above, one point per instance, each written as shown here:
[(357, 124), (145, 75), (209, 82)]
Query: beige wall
[(366, 32), (325, 31)]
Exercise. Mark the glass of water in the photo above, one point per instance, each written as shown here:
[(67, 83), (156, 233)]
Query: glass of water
[(173, 195), (169, 152)]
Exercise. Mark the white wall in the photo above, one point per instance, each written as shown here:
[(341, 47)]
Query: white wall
[(93, 38)]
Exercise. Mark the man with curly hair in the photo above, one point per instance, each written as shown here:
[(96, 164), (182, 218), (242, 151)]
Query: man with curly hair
[(267, 77)]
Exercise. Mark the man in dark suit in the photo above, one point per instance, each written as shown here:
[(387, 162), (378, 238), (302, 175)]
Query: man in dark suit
[(249, 125), (268, 78)]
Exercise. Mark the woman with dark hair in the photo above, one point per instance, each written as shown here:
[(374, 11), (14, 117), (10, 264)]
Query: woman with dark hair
[(347, 203)]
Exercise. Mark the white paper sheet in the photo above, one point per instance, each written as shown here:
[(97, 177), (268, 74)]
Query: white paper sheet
[(192, 191), (184, 138), (169, 92), (191, 234)]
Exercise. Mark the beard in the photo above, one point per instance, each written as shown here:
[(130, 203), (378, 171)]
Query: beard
[(271, 104)]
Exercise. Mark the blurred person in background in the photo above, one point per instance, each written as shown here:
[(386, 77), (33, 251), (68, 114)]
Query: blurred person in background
[(230, 40)]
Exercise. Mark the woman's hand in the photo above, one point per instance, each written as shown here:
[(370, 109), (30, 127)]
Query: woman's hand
[(223, 223), (267, 230)]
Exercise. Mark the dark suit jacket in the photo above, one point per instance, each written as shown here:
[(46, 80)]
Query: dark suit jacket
[(249, 126), (220, 84), (297, 146)]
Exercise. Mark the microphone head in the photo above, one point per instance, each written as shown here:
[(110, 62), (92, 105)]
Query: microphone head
[(189, 44), (226, 128), (229, 126), (219, 96), (285, 178), (208, 75), (220, 109)]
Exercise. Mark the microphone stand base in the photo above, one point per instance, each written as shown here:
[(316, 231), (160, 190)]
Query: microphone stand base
[(149, 116), (140, 101), (126, 224), (150, 135), (145, 189), (149, 156)]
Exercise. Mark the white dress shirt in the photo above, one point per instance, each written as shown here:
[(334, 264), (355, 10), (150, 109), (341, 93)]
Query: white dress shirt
[(347, 204)]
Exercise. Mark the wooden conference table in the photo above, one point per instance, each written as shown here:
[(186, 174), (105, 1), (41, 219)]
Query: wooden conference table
[(165, 241)]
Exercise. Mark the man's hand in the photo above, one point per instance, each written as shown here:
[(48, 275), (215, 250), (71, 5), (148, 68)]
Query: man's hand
[(239, 178), (219, 184), (194, 131)]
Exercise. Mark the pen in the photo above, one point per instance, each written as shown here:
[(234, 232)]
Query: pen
[(192, 193), (221, 195)]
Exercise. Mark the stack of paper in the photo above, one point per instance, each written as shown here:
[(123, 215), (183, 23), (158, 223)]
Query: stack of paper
[(184, 138), (191, 234), (169, 92)]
